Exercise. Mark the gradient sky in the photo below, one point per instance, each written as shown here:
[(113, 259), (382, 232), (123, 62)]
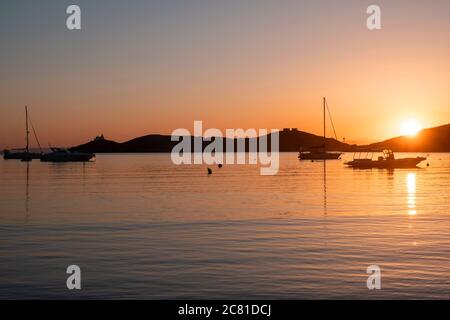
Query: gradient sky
[(140, 67)]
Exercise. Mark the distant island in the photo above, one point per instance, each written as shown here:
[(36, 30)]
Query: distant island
[(291, 140)]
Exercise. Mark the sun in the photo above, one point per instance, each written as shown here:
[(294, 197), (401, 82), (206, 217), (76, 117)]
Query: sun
[(410, 127)]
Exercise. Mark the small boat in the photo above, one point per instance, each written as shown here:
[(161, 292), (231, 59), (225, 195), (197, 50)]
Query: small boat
[(387, 161), (321, 152), (64, 155), (20, 154), (24, 154)]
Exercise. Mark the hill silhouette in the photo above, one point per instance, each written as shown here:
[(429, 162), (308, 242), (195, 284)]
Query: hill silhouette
[(291, 140), (428, 140)]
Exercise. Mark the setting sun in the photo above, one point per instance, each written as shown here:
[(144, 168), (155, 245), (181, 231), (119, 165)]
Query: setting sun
[(410, 127)]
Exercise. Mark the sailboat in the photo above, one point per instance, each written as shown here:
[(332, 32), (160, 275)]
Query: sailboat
[(24, 154), (321, 152)]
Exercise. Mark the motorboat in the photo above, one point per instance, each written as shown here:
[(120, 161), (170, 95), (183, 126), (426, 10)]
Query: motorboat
[(64, 155), (386, 161)]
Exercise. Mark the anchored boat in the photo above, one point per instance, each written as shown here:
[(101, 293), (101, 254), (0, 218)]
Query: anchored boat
[(20, 154), (64, 155), (387, 161), (321, 152), (319, 155), (24, 154)]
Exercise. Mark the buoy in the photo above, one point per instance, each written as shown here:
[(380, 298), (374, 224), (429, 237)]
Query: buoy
[(220, 165), (209, 171)]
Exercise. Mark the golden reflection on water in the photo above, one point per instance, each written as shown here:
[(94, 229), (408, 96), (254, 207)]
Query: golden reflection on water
[(411, 198), (411, 184), (130, 213)]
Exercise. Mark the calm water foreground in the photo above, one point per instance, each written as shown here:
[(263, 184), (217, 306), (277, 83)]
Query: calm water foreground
[(140, 227)]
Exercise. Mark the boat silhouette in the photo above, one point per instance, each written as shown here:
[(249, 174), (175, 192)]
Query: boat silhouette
[(321, 153), (24, 154), (387, 161), (64, 155)]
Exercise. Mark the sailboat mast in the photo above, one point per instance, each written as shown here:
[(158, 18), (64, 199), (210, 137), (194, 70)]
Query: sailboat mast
[(26, 127)]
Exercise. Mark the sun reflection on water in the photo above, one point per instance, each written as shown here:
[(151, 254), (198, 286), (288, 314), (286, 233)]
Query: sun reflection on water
[(411, 184), (411, 198)]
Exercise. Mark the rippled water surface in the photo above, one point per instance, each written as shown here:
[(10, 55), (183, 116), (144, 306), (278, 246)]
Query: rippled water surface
[(140, 227)]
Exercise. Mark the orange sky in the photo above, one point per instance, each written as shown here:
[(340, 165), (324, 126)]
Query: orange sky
[(151, 67)]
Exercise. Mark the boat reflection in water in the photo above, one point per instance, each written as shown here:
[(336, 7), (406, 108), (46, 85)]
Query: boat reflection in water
[(387, 161)]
